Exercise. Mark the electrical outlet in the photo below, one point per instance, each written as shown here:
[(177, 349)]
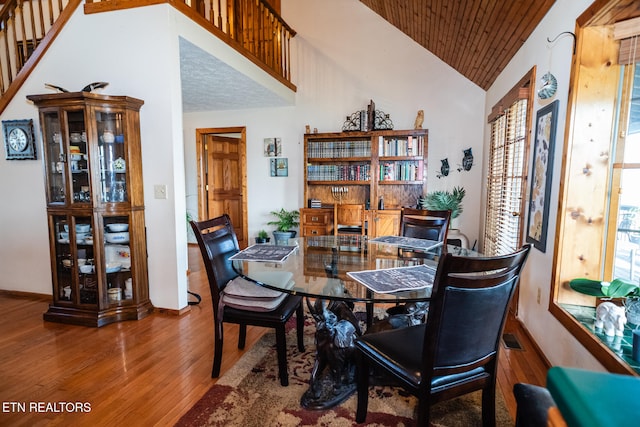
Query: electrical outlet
[(160, 191), (538, 298)]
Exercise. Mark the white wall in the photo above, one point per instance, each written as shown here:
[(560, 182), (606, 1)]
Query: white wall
[(139, 61), (555, 341), (338, 67)]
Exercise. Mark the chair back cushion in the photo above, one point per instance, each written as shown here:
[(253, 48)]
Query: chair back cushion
[(218, 242), (471, 322), (422, 228), (470, 301)]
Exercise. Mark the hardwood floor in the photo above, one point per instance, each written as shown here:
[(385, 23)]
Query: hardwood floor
[(146, 372)]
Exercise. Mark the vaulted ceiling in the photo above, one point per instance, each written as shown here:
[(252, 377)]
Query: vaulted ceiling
[(476, 37)]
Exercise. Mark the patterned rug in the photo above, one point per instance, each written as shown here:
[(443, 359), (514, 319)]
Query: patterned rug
[(250, 395)]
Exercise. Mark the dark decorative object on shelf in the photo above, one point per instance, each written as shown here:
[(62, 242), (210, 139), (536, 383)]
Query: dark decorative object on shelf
[(367, 120), (19, 140), (467, 160), (444, 168), (419, 120), (88, 88)]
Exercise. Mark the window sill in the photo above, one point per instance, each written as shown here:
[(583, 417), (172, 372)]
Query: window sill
[(613, 352)]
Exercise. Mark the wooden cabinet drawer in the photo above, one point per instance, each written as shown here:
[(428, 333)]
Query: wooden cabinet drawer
[(316, 230), (316, 218)]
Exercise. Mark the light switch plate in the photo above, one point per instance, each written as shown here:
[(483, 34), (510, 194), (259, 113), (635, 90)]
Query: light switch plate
[(160, 191)]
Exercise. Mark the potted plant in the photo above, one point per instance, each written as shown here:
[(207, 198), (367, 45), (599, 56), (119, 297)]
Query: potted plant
[(285, 224), (444, 201), (618, 288), (263, 237), (621, 291)]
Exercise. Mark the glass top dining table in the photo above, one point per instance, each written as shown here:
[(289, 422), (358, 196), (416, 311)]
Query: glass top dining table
[(319, 267)]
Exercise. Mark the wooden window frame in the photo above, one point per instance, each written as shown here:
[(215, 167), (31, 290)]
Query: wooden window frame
[(584, 192)]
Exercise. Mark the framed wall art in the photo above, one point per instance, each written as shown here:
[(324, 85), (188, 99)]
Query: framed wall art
[(272, 147), (544, 144), (280, 167)]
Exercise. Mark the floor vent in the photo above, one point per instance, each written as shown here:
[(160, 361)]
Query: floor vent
[(511, 342)]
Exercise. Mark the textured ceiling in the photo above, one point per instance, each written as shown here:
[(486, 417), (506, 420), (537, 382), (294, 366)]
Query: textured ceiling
[(209, 84)]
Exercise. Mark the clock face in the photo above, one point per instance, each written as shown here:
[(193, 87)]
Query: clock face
[(18, 139)]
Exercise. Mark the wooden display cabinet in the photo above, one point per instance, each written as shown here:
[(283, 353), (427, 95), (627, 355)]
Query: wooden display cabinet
[(364, 167), (95, 207)]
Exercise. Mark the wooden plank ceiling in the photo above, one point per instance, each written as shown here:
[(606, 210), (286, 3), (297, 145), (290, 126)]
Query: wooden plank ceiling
[(476, 37)]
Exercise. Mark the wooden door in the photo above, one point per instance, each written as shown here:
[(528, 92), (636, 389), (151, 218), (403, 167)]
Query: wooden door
[(223, 180)]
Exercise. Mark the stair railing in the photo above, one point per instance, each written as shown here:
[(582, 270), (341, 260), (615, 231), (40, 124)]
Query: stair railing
[(27, 28), (252, 27)]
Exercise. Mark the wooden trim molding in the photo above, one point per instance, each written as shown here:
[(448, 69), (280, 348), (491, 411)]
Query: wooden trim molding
[(28, 295)]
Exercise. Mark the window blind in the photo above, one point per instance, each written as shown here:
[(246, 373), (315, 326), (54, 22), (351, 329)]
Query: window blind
[(506, 177), (628, 32)]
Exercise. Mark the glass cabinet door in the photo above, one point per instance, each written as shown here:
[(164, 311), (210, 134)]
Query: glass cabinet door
[(78, 158), (117, 253), (113, 159), (67, 157), (54, 155), (74, 257)]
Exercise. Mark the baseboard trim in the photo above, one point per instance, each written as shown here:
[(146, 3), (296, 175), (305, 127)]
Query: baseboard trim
[(173, 312), (26, 295), (536, 347)]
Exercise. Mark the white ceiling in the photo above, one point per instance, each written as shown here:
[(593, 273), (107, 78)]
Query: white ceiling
[(209, 84)]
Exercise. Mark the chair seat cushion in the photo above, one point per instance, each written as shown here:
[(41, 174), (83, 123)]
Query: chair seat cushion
[(400, 352), (246, 295), (280, 314)]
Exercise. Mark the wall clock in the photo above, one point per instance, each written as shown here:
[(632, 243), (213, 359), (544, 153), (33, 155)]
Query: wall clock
[(19, 141)]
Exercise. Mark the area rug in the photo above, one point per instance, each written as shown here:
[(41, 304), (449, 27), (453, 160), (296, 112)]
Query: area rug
[(250, 395)]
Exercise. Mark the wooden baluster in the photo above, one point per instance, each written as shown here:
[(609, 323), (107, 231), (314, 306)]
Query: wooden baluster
[(41, 20), (219, 15), (261, 36), (6, 50), (256, 26), (50, 15), (278, 47), (248, 23), (288, 61), (14, 67), (230, 18), (21, 59), (34, 38), (270, 39)]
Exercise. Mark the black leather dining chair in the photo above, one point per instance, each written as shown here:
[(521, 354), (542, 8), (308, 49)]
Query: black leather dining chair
[(424, 224), (456, 351), (218, 242)]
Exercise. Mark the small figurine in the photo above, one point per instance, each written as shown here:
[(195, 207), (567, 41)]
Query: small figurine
[(444, 168), (307, 129), (467, 160), (610, 317), (419, 120)]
